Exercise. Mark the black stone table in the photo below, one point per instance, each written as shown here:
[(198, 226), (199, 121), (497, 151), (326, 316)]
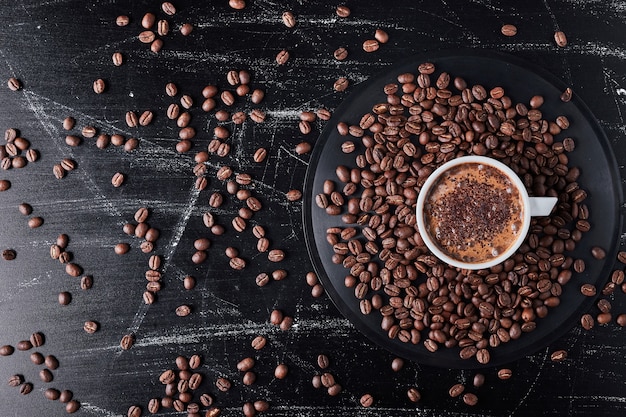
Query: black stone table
[(57, 49)]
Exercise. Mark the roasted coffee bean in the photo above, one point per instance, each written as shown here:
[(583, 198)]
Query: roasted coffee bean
[(276, 255), (72, 406), (366, 400), (598, 253), (37, 339), (194, 381), (397, 364), (470, 399), (341, 84), (183, 310), (5, 185), (334, 390), (26, 388), (456, 390), (6, 350), (587, 321), (121, 248), (237, 263), (99, 86), (9, 254), (342, 11), (51, 362), (245, 364), (118, 179), (25, 209), (560, 38), (86, 282), (303, 148), (58, 171), (24, 345), (90, 327), (223, 384), (134, 411), (16, 380), (65, 298), (509, 30), (37, 358), (52, 394), (558, 355), (566, 96), (294, 195), (505, 373), (128, 340), (14, 84), (33, 222), (414, 395), (323, 361), (282, 57), (73, 269), (588, 290), (259, 342), (45, 375), (340, 54)]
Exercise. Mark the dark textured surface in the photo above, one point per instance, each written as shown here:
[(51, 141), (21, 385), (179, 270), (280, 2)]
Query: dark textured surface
[(58, 48)]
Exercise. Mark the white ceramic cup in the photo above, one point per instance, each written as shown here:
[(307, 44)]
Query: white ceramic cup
[(531, 206)]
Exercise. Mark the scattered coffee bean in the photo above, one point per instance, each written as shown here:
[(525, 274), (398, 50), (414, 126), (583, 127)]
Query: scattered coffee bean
[(90, 327), (282, 57), (14, 84), (341, 84), (366, 400), (560, 39), (72, 406), (456, 390), (260, 155), (117, 58), (223, 384), (37, 358), (86, 282), (289, 19), (128, 340), (52, 394), (121, 248), (587, 321), (25, 209), (118, 179), (45, 375), (26, 388), (509, 30), (281, 371), (24, 345), (259, 343), (371, 45), (9, 254), (66, 396), (16, 380), (5, 185), (414, 394), (6, 350), (566, 96), (183, 310), (51, 362), (99, 86), (37, 339), (340, 53), (470, 399), (342, 11), (65, 298)]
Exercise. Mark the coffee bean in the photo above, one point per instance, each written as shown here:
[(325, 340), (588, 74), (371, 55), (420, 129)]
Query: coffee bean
[(66, 396), (37, 358), (16, 380), (381, 36), (37, 339), (90, 327), (52, 394), (194, 381), (456, 390), (340, 53), (99, 86), (117, 58), (9, 254), (72, 406), (598, 253), (303, 148), (505, 373), (289, 19), (414, 394), (5, 185), (560, 39), (45, 375), (51, 362), (128, 340), (587, 321), (86, 282), (334, 390), (65, 298), (237, 263), (245, 364), (6, 350), (260, 155), (275, 255), (183, 310), (14, 84), (566, 96), (588, 290), (73, 270), (366, 400), (509, 30), (118, 179), (371, 45), (470, 399), (259, 342), (121, 248), (25, 209), (223, 384), (342, 11), (341, 84), (282, 57), (24, 345), (26, 388)]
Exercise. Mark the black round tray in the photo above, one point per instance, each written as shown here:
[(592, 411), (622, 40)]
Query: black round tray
[(593, 155)]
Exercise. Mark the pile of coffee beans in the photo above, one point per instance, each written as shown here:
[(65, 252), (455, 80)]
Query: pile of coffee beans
[(429, 118)]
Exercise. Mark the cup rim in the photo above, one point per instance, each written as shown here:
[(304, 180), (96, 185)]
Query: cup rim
[(423, 230)]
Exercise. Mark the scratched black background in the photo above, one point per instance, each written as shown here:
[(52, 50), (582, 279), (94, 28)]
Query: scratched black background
[(58, 48)]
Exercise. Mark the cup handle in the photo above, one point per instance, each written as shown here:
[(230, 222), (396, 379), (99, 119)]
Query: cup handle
[(542, 206)]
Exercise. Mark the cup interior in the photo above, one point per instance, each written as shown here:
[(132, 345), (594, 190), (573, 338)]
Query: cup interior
[(424, 228)]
